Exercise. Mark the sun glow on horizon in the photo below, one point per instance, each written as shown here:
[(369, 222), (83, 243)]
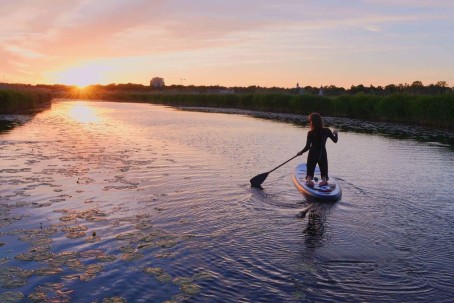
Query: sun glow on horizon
[(81, 76)]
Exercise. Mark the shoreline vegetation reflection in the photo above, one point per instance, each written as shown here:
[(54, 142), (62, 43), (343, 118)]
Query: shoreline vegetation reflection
[(387, 129)]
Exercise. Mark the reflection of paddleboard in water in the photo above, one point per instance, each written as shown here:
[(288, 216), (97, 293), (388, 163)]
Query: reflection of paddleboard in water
[(331, 192)]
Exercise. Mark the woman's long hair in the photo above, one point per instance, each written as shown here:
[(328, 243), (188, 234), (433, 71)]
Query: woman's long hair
[(317, 122)]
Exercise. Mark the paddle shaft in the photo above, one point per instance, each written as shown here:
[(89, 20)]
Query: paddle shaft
[(258, 180), (283, 163)]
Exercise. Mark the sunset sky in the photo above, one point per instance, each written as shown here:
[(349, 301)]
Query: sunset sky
[(229, 43)]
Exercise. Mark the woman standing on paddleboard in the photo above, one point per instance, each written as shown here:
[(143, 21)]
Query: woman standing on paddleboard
[(316, 145)]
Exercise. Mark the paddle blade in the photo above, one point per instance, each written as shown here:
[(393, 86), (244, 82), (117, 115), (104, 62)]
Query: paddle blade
[(258, 180)]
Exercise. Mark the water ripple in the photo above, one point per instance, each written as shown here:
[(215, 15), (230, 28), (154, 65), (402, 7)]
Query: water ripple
[(152, 204)]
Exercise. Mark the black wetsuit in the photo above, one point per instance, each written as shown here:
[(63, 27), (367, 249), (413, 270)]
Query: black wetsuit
[(316, 145)]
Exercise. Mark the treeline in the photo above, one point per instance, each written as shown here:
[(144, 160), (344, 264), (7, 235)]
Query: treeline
[(24, 100), (416, 88), (431, 105)]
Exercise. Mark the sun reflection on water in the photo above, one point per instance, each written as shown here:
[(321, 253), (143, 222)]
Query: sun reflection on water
[(83, 113)]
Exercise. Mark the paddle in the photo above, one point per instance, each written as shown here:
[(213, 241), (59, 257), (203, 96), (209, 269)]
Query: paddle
[(258, 180)]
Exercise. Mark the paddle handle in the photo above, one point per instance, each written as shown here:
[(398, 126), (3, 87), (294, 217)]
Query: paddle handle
[(283, 163)]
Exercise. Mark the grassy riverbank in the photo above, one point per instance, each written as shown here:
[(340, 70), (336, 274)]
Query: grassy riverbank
[(433, 111), (23, 101)]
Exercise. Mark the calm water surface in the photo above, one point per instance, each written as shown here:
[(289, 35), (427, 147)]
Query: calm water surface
[(109, 201)]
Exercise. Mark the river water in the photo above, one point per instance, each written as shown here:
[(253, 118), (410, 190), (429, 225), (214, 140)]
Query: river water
[(123, 202)]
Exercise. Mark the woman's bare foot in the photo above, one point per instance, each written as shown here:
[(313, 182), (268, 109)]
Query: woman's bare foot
[(323, 182)]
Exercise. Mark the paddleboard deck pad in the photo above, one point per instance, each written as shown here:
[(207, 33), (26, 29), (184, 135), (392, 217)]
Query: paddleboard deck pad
[(330, 192)]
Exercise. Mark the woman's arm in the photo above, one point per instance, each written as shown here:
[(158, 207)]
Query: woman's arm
[(333, 135), (308, 144)]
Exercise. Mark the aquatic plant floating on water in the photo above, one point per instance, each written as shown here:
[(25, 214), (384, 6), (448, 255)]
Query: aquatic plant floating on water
[(50, 292), (11, 297), (190, 289), (131, 256), (13, 277), (182, 280), (114, 300), (159, 274)]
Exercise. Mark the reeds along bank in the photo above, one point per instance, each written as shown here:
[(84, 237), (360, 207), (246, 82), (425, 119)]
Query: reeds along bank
[(435, 111), (17, 101)]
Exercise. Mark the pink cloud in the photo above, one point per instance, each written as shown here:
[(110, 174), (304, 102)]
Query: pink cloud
[(49, 35)]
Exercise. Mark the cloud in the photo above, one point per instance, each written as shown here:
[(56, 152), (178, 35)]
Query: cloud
[(373, 28), (413, 3), (115, 28), (23, 52), (50, 35)]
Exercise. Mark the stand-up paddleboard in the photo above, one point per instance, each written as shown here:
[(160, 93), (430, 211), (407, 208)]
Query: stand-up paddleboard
[(330, 192)]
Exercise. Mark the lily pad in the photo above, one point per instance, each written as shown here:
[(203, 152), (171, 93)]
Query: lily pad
[(159, 274), (38, 254), (75, 264), (106, 258), (153, 270), (93, 253), (86, 277), (48, 271), (37, 296), (131, 256), (75, 235), (11, 297), (166, 243), (68, 218), (94, 268), (42, 242), (144, 225), (127, 249), (182, 280), (61, 258), (69, 229), (164, 277), (14, 283), (126, 236), (114, 300), (190, 289), (181, 297), (50, 292), (71, 277)]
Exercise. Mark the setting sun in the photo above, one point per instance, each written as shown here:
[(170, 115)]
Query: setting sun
[(81, 76)]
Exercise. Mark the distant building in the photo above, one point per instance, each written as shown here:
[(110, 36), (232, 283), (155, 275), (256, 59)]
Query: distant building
[(226, 91), (157, 82), (320, 91), (299, 89)]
